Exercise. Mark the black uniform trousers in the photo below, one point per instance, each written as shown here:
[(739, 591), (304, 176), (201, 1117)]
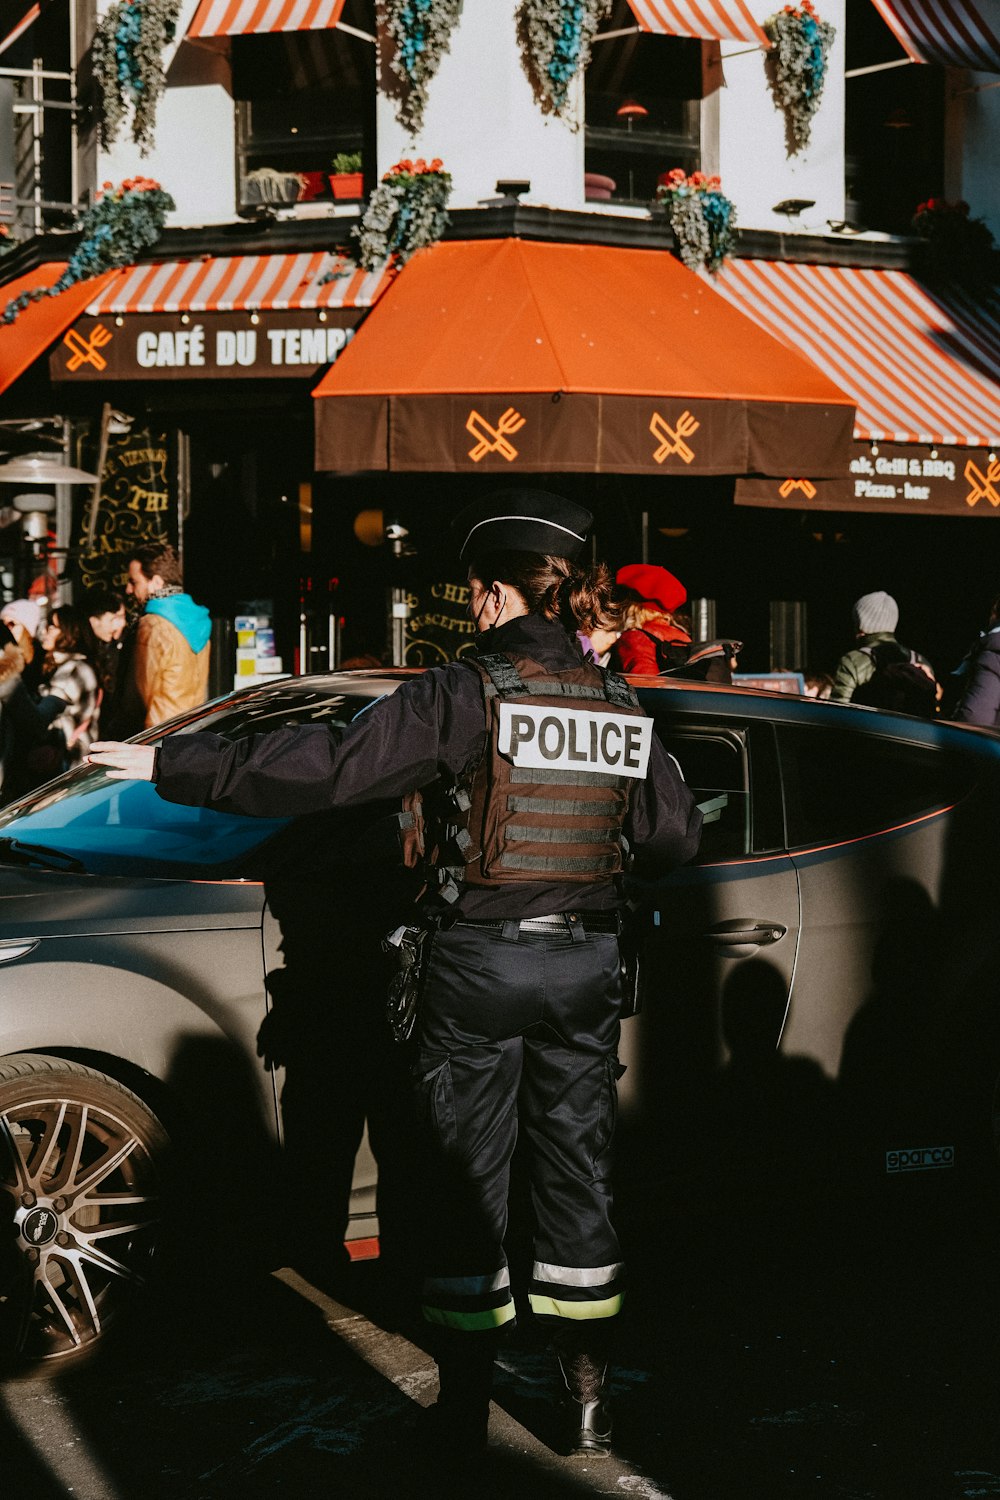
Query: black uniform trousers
[(518, 1030)]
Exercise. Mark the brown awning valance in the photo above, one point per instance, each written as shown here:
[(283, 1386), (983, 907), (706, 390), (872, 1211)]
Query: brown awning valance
[(892, 478), (501, 356)]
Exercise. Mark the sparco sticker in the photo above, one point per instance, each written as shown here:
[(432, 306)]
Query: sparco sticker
[(573, 739), (920, 1159)]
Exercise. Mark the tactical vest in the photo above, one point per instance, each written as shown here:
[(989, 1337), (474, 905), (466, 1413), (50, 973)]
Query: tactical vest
[(549, 796)]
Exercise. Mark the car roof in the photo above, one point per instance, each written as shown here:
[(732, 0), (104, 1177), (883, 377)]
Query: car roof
[(711, 699)]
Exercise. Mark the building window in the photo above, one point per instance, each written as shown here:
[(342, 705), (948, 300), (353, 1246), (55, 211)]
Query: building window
[(894, 127), (37, 130), (643, 110), (303, 98)]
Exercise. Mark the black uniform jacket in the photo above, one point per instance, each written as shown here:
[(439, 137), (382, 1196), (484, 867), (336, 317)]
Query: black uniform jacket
[(434, 725)]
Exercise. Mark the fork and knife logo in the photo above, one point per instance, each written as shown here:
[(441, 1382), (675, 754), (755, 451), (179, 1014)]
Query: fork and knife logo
[(490, 439), (673, 440), (983, 486), (84, 351)]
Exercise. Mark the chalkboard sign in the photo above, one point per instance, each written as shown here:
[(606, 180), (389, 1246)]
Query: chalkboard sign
[(438, 628), (136, 504)]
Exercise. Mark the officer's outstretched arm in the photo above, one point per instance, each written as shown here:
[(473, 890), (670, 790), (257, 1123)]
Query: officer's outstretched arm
[(123, 762)]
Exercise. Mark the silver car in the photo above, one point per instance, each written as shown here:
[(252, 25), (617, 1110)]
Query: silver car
[(818, 986)]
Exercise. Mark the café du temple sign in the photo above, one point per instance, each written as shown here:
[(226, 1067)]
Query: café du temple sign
[(198, 346)]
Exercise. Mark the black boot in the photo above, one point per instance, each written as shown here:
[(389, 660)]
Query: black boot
[(584, 1378), (458, 1420)]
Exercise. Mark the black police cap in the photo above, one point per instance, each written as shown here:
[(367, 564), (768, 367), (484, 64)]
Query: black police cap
[(522, 521)]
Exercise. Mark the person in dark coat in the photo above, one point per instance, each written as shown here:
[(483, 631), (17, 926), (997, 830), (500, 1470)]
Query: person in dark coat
[(542, 766), (980, 673), (104, 610)]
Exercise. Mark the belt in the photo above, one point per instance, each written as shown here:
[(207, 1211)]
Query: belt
[(558, 922)]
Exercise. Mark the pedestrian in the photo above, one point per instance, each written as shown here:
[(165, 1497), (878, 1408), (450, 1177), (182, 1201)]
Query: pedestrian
[(817, 684), (111, 648), (11, 687), (30, 752), (536, 768), (170, 655), (104, 611), (979, 676), (67, 673), (654, 637), (878, 671), (23, 618)]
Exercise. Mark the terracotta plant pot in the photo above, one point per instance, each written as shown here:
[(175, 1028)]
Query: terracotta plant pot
[(347, 184)]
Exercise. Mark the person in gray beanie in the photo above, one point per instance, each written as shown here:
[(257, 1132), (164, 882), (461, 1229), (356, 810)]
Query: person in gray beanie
[(875, 619)]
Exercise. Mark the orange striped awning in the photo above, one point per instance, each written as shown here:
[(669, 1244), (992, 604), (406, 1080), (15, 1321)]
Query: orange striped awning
[(955, 33), (231, 283), (712, 20), (28, 19), (40, 323), (257, 17), (920, 365)]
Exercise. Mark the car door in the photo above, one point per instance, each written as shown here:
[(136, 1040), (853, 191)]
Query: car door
[(721, 938), (868, 826)]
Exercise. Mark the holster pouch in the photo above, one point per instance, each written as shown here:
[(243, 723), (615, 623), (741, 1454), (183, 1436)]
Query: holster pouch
[(407, 946), (633, 967)]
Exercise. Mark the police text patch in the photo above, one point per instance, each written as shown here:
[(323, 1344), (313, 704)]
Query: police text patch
[(574, 739)]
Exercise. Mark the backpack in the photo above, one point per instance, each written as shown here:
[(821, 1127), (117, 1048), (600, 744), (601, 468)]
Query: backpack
[(702, 661), (898, 683)]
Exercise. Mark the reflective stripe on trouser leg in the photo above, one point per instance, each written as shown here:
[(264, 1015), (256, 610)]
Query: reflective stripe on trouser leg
[(470, 1304), (577, 1293)]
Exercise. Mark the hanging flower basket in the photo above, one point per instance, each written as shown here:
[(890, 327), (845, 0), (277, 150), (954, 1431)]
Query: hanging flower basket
[(556, 37), (796, 67), (122, 223), (953, 246), (702, 218), (421, 34), (128, 66), (406, 212)]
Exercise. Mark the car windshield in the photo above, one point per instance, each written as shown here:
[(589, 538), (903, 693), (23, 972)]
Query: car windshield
[(124, 828)]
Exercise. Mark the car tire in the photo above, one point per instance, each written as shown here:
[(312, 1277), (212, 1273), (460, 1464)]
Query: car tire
[(83, 1168)]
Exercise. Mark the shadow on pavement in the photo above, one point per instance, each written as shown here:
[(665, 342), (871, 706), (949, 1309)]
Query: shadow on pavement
[(856, 1365)]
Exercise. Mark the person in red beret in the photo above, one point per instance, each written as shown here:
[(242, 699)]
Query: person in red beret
[(652, 597)]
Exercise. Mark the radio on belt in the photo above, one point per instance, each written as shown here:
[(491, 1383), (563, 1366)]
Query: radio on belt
[(574, 739)]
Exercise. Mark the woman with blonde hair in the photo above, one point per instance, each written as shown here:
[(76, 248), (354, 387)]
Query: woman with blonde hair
[(22, 618), (652, 625)]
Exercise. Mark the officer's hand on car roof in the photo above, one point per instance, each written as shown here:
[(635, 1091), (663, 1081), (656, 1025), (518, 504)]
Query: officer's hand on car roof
[(123, 762)]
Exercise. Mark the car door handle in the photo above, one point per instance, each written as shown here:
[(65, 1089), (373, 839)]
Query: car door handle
[(745, 932)]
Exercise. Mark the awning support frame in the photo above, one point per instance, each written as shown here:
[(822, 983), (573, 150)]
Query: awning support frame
[(900, 62)]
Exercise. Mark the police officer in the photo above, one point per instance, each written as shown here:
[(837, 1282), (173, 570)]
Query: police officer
[(539, 771)]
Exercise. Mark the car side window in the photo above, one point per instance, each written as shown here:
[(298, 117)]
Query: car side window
[(714, 765), (842, 783)]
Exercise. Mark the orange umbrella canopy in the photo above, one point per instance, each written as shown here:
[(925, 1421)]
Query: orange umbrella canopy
[(608, 359)]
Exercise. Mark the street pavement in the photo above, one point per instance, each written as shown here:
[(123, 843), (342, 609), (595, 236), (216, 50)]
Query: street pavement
[(848, 1360)]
